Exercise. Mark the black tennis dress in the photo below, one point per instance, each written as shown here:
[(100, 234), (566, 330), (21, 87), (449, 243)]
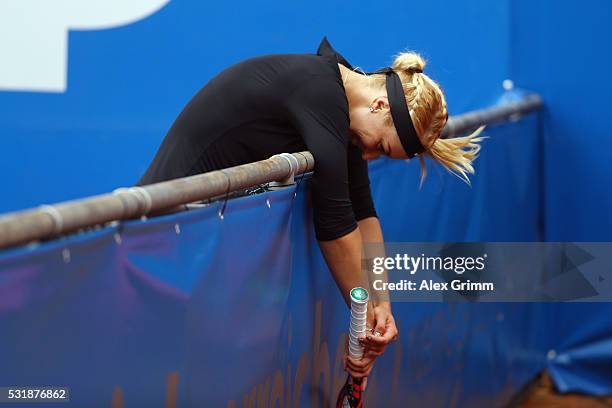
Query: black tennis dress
[(269, 105)]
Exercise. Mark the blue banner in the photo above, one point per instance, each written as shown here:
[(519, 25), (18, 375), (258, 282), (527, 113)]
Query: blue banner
[(193, 309)]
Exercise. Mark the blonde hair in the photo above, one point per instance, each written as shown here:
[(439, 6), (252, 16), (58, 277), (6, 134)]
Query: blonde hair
[(427, 106)]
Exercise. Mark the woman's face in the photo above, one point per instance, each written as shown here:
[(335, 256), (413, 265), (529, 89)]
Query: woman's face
[(370, 132)]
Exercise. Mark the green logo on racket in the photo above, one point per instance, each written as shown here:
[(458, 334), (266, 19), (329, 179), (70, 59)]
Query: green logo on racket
[(359, 294)]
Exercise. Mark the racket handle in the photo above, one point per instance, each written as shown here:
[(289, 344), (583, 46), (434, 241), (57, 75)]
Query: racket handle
[(357, 328), (351, 394)]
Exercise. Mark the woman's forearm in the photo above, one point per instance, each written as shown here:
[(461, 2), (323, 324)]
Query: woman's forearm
[(373, 246), (343, 257), (371, 232)]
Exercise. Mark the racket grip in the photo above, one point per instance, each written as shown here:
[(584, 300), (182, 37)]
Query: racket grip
[(359, 312)]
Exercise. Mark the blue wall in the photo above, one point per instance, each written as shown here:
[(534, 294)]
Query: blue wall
[(560, 49), (126, 85)]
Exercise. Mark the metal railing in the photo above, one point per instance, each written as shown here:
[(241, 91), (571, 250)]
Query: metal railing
[(127, 203), (48, 221), (465, 122)]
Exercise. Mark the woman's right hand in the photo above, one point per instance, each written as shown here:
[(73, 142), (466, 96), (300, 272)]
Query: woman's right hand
[(375, 343)]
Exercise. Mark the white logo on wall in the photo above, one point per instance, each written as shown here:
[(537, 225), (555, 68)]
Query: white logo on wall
[(34, 36)]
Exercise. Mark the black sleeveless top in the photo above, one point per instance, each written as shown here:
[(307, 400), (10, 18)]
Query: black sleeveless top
[(268, 105)]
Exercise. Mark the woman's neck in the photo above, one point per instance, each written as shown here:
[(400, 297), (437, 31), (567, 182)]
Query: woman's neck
[(356, 86)]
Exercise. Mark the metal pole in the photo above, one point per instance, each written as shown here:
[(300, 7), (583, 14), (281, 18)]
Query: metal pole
[(48, 221), (510, 111)]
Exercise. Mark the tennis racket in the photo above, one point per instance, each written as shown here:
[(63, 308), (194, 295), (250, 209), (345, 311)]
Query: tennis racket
[(351, 394)]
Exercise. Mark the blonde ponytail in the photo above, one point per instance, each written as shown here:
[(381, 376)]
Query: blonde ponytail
[(428, 110), (455, 154)]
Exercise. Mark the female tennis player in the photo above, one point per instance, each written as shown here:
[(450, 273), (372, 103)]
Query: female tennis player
[(289, 103)]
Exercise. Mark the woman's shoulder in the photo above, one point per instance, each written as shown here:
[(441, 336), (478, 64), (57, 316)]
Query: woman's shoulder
[(319, 96), (303, 76), (296, 66)]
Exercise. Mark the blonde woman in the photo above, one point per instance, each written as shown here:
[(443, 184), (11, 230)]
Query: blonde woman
[(289, 103)]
